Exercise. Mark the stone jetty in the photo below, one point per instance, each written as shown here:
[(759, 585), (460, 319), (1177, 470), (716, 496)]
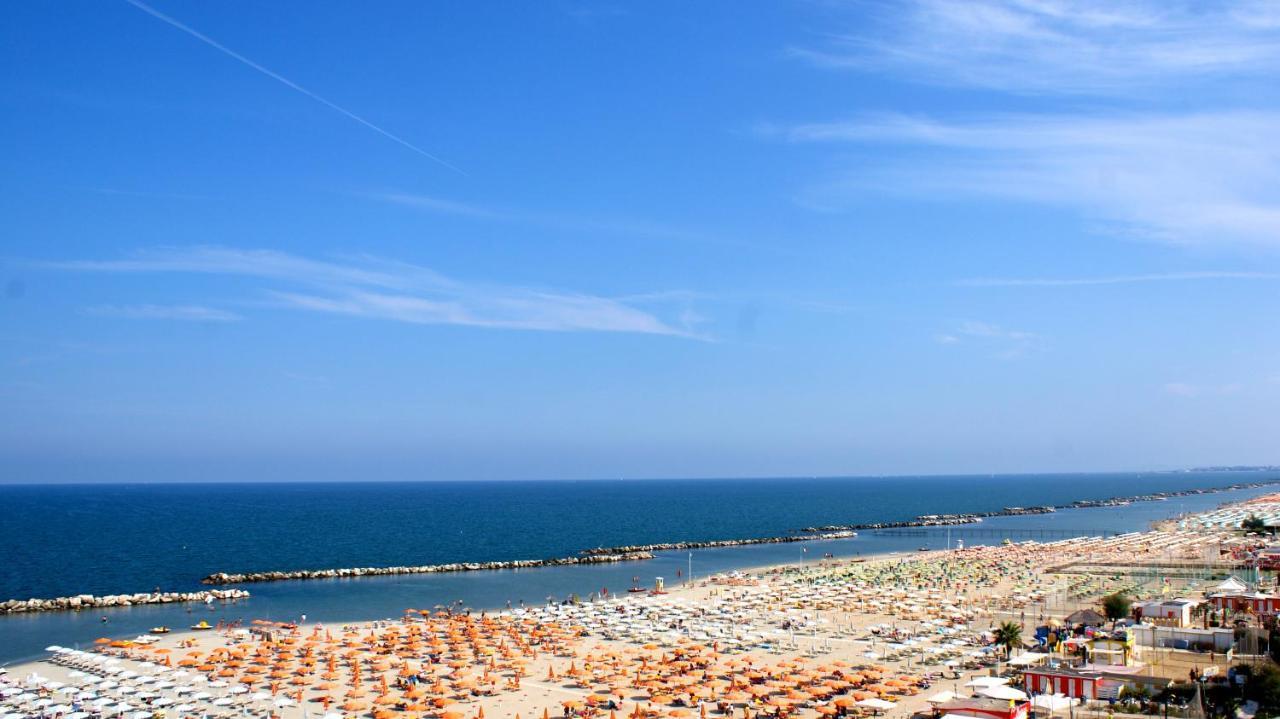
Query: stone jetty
[(666, 546), (224, 578), (89, 601), (944, 520)]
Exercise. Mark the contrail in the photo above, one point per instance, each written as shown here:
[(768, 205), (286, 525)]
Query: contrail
[(286, 81)]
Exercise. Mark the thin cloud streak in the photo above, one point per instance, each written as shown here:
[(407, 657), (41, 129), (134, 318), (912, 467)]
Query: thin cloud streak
[(1206, 178), (1114, 280), (288, 83), (184, 313), (370, 287)]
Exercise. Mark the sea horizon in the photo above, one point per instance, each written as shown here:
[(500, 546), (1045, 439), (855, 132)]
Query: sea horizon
[(1225, 469)]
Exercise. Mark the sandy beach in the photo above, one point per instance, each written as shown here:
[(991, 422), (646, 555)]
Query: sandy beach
[(878, 634)]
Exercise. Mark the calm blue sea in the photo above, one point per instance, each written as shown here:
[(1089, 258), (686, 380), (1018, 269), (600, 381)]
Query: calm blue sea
[(62, 540)]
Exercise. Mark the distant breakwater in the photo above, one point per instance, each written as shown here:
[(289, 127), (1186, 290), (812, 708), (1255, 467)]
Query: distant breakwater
[(598, 555), (224, 578), (944, 520), (667, 546), (89, 601)]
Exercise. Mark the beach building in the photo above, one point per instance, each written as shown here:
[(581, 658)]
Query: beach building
[(1216, 639), (1230, 585), (1115, 650), (1091, 682), (1166, 613), (983, 708), (1087, 617), (1255, 603), (1269, 557)]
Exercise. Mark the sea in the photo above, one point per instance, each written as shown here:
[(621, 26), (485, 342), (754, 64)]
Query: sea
[(61, 540)]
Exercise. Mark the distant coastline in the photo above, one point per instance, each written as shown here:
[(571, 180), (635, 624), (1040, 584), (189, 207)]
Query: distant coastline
[(611, 554)]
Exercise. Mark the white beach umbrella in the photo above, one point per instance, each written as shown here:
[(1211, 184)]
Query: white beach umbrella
[(224, 701), (1003, 692), (986, 682), (1051, 702)]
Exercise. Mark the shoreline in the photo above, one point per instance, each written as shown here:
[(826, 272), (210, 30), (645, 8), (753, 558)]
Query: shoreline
[(49, 627), (596, 555), (770, 618)]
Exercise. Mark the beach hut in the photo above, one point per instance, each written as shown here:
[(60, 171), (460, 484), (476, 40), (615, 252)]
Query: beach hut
[(1087, 617)]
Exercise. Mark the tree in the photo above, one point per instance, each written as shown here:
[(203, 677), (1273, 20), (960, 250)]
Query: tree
[(1253, 523), (1116, 606), (1008, 635), (1263, 687)]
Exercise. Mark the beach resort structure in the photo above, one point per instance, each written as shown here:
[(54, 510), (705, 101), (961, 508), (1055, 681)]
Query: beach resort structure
[(898, 635)]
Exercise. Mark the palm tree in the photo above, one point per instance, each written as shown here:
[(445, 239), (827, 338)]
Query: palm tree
[(1008, 635)]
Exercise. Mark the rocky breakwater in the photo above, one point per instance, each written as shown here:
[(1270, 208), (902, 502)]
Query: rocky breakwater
[(935, 520), (225, 578), (89, 601), (666, 546)]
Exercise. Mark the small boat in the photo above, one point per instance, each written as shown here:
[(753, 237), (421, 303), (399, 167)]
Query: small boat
[(924, 549), (159, 630), (202, 626)]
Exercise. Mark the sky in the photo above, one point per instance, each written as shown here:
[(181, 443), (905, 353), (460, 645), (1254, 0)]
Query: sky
[(403, 240)]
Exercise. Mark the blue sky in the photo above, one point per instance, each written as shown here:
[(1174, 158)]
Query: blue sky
[(573, 239)]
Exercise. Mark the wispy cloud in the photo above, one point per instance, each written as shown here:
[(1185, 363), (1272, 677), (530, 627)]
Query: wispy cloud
[(436, 204), (1060, 46), (1189, 179), (1114, 279), (185, 313), (364, 286), (1008, 343), (286, 82)]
